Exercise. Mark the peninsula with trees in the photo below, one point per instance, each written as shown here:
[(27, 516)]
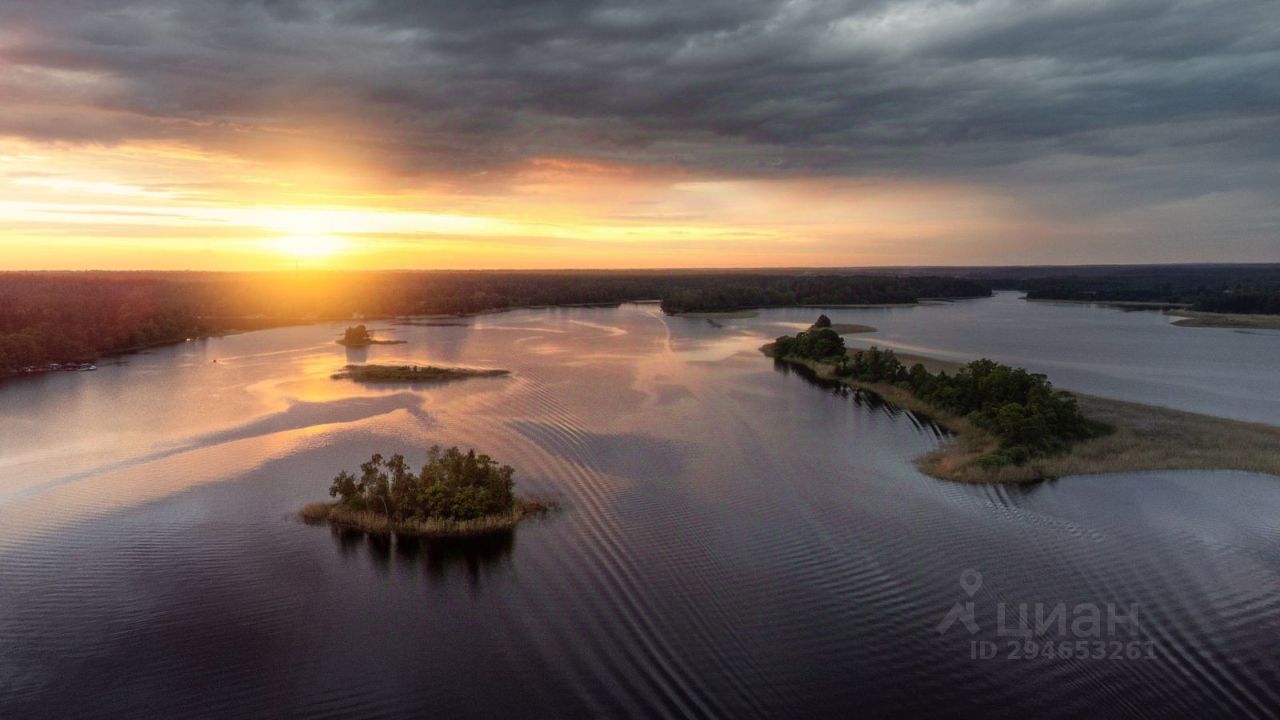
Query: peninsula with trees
[(1011, 425), (455, 494)]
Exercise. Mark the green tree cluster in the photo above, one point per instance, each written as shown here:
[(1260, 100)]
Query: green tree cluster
[(452, 485), (358, 335), (817, 343), (1021, 408)]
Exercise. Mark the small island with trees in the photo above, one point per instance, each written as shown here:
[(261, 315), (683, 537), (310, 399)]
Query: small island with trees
[(455, 494), (1011, 425), (412, 373), (358, 336), (842, 328)]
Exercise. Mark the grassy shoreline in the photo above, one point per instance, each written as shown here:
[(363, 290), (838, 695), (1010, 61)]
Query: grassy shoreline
[(378, 523), (1145, 437)]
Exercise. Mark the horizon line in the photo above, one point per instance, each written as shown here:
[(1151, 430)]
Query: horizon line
[(650, 269)]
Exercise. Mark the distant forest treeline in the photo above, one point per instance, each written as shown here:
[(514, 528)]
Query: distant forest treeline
[(1245, 289), (59, 317), (739, 292)]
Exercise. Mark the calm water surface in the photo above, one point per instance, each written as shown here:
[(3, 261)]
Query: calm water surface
[(735, 541)]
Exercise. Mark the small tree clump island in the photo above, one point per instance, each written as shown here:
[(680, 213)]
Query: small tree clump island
[(355, 336), (455, 493), (818, 343), (359, 336)]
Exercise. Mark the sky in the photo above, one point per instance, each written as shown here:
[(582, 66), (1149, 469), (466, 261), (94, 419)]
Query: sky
[(270, 134)]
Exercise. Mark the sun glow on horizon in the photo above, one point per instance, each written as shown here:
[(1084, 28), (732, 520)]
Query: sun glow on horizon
[(309, 246)]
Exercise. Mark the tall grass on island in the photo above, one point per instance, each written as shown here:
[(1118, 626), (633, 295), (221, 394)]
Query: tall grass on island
[(1005, 416), (455, 494)]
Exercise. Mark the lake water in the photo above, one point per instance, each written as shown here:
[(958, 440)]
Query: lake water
[(734, 540)]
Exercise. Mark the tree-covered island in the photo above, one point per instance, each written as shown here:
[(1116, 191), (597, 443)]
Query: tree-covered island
[(358, 336), (455, 493)]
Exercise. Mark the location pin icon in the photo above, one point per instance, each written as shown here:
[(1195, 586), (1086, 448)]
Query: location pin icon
[(970, 581)]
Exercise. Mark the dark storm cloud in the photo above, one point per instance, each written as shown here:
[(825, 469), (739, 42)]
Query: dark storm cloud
[(1003, 90)]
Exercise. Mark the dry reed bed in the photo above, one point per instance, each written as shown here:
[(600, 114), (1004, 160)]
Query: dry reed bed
[(374, 522), (1192, 318)]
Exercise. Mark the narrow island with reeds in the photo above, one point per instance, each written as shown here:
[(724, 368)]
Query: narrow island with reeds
[(455, 494), (1193, 318), (412, 373), (359, 336), (1011, 425)]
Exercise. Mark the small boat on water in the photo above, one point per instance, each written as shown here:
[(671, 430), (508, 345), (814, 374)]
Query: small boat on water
[(86, 367)]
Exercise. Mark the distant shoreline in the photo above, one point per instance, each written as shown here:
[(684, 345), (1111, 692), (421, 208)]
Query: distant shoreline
[(1188, 317), (750, 312), (1120, 304), (1196, 318), (719, 315), (1145, 437), (424, 320), (136, 349)]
